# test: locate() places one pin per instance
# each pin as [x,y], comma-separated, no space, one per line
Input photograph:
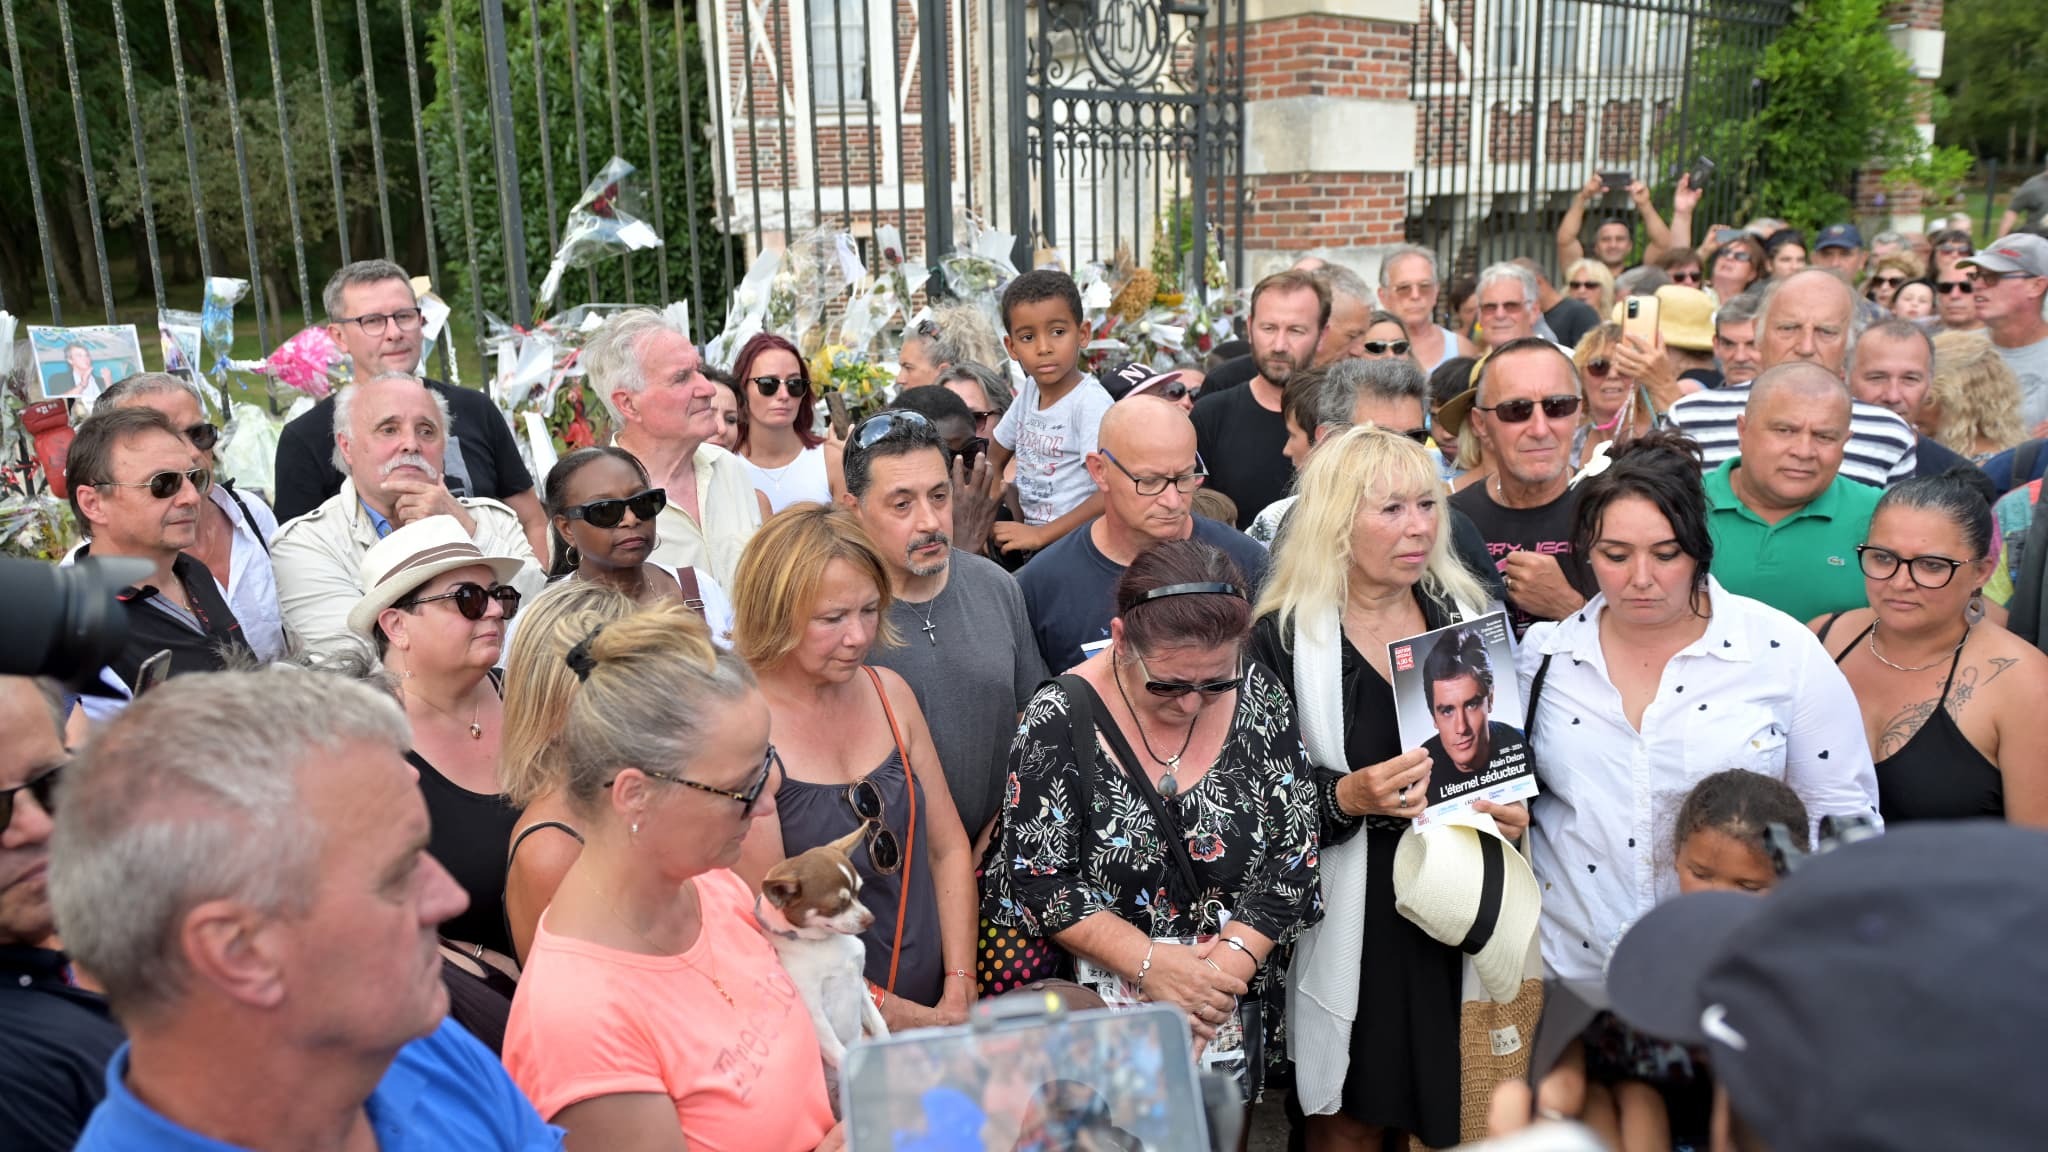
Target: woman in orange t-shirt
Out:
[652,1012]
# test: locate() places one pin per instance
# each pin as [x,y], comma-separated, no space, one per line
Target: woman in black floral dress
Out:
[1079,855]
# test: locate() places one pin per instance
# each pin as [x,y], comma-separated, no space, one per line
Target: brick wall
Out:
[1303,211]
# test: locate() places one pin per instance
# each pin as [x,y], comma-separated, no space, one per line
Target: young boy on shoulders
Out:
[1050,428]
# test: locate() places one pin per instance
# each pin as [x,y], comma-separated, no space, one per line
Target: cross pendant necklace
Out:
[931,630]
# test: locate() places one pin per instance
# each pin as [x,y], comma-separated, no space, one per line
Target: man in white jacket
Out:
[390,440]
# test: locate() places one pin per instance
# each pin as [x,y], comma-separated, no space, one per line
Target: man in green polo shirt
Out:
[1785,523]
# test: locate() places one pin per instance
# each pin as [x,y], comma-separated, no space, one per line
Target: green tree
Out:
[1995,102]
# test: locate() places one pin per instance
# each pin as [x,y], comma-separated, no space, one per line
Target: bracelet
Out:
[1238,943]
[1144,968]
[963,973]
[877,994]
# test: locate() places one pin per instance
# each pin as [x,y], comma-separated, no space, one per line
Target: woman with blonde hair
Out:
[1608,391]
[538,690]
[653,1013]
[1374,1002]
[811,599]
[1973,405]
[1591,282]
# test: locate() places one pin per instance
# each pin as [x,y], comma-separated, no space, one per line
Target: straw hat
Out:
[1685,318]
[399,563]
[1473,891]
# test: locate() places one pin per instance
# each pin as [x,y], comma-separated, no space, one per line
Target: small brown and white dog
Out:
[810,908]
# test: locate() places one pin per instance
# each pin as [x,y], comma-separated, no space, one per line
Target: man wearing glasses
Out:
[2012,282]
[137,488]
[1147,469]
[55,1037]
[373,314]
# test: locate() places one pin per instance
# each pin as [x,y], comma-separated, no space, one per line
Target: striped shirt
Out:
[1880,451]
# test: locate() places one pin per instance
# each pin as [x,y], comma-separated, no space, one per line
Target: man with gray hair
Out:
[1410,283]
[374,315]
[1891,366]
[646,373]
[391,445]
[241,863]
[1508,309]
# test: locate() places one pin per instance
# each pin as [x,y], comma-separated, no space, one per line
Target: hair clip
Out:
[579,658]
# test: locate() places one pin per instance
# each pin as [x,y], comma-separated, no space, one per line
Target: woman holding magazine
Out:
[1158,825]
[1374,1003]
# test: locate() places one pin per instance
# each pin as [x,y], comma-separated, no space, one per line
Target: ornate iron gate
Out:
[1522,100]
[1131,129]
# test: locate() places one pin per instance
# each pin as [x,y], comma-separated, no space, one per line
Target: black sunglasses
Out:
[42,787]
[645,506]
[1585,285]
[1599,367]
[768,386]
[1888,281]
[203,436]
[1519,411]
[1951,287]
[884,852]
[872,430]
[1688,277]
[472,599]
[747,796]
[165,485]
[1175,689]
[1386,347]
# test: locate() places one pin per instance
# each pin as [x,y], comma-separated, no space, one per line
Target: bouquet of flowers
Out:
[980,265]
[603,223]
[310,362]
[851,372]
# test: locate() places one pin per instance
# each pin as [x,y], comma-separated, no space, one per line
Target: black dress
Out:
[1403,1072]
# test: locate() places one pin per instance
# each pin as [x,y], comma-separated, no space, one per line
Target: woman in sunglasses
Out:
[1589,282]
[436,613]
[1950,700]
[786,458]
[1890,274]
[1608,389]
[602,528]
[1734,266]
[1368,561]
[653,1013]
[1159,827]
[1386,338]
[812,598]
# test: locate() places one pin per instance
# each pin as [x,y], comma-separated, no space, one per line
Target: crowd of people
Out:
[448,819]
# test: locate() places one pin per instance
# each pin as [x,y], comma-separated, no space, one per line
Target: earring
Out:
[633,829]
[1973,613]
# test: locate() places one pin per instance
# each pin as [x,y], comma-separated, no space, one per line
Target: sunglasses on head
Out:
[874,429]
[645,506]
[164,485]
[1520,411]
[43,787]
[471,599]
[203,436]
[768,386]
[884,852]
[1175,689]
[1386,347]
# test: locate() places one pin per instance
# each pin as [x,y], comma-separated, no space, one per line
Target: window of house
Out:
[839,51]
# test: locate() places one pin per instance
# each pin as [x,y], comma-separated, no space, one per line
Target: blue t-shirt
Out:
[2002,468]
[1070,588]
[444,1090]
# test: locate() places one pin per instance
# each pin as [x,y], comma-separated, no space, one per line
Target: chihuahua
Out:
[810,908]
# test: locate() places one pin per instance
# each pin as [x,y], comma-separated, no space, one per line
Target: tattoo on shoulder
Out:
[1998,666]
[1903,727]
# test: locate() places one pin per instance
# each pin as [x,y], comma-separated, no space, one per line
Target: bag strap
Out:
[1176,840]
[2023,460]
[909,829]
[1535,694]
[693,597]
[228,486]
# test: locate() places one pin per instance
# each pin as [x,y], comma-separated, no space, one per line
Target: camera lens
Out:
[69,623]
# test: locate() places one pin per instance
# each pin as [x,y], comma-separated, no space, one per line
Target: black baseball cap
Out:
[1890,994]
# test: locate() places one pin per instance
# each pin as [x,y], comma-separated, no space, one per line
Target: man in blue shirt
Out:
[241,861]
[1147,469]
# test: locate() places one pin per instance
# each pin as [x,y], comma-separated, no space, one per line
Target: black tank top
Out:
[470,830]
[1938,774]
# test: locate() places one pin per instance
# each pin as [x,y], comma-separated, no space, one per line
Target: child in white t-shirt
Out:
[1050,427]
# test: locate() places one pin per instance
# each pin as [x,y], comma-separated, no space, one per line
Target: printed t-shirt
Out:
[1050,444]
[1545,529]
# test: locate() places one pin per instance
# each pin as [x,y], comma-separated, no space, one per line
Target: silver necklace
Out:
[1169,783]
[931,630]
[1935,663]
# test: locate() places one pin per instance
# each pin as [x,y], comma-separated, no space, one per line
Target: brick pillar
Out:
[1329,130]
[1916,33]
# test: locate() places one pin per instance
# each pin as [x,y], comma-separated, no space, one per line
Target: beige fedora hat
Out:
[399,563]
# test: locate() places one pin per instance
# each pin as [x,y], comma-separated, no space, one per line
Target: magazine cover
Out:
[1456,696]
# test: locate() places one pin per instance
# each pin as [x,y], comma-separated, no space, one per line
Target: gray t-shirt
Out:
[973,673]
[2030,364]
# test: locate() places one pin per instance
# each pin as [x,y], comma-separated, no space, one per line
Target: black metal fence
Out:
[161,142]
[1522,100]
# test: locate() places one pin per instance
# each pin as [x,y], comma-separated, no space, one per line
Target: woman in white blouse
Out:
[1661,680]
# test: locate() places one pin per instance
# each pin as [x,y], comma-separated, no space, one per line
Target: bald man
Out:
[1808,317]
[1784,521]
[1147,470]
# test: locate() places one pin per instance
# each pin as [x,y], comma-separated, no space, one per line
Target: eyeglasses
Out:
[164,485]
[1888,281]
[1508,306]
[1184,483]
[876,428]
[1951,287]
[1584,285]
[768,386]
[1598,369]
[1690,276]
[407,319]
[472,599]
[1419,288]
[1929,572]
[1519,411]
[203,436]
[1175,689]
[1739,255]
[1954,249]
[43,787]
[645,506]
[747,796]
[1990,279]
[884,852]
[1386,347]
